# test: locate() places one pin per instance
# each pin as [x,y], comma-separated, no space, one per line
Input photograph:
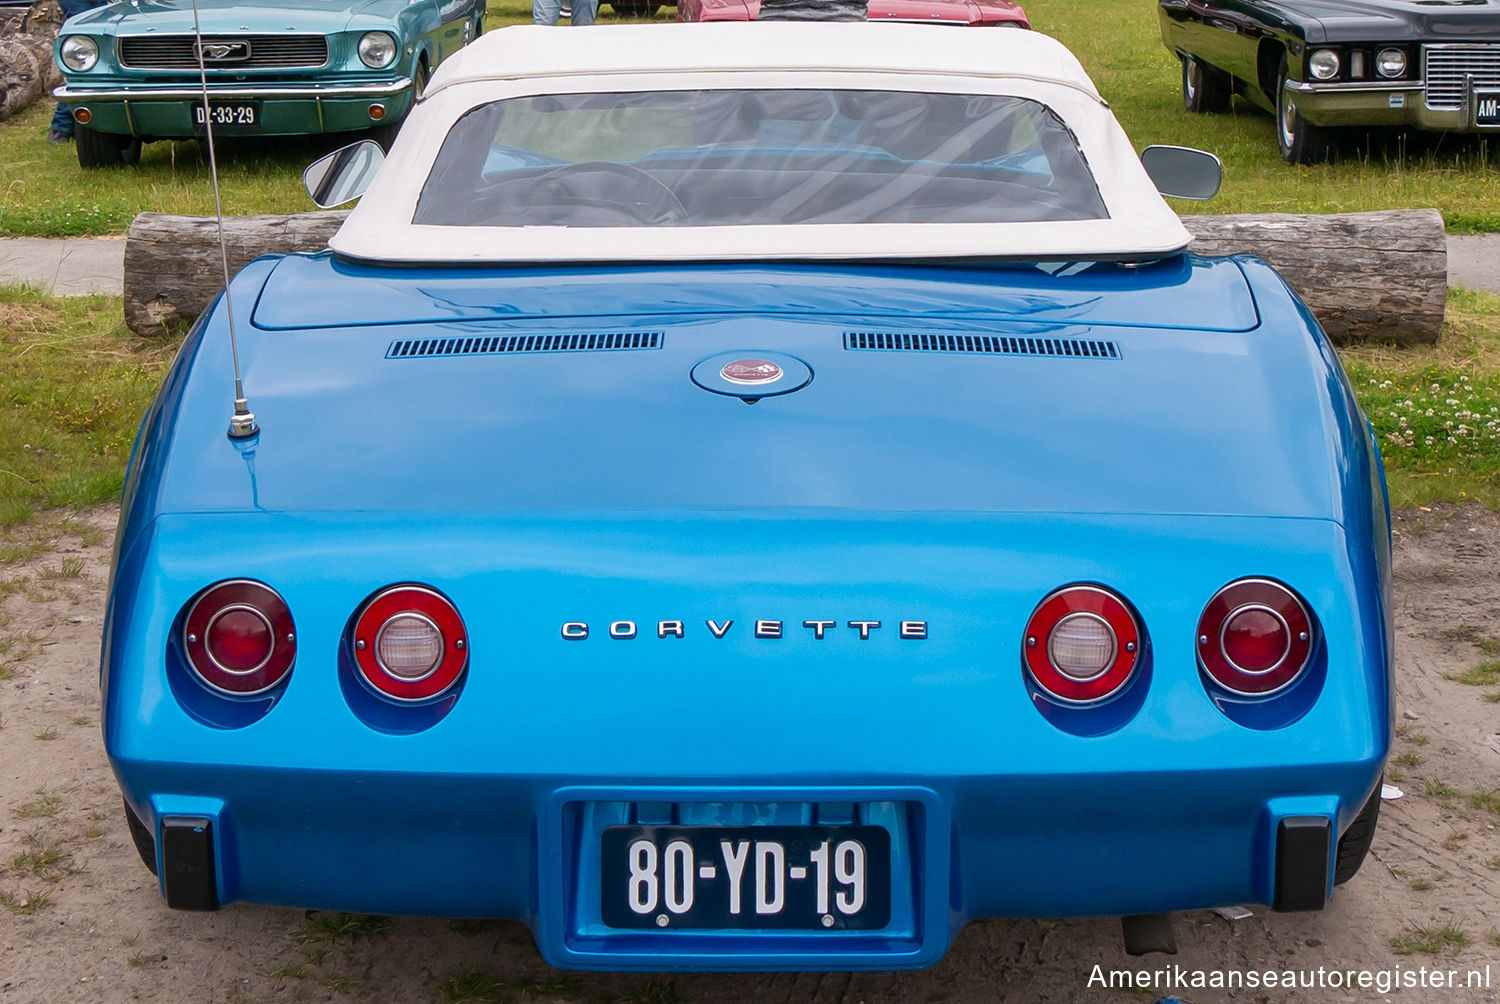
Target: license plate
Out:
[1487,107]
[811,877]
[239,116]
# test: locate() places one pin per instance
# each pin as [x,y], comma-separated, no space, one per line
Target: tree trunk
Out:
[27,72]
[1366,276]
[1379,276]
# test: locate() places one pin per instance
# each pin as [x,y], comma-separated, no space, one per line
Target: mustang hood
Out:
[217,16]
[1158,389]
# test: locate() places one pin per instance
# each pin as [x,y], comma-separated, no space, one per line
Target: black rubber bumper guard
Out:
[187,854]
[1303,850]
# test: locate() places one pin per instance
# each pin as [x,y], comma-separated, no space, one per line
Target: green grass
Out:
[43,192]
[1429,940]
[1141,80]
[326,927]
[1488,800]
[29,902]
[43,806]
[1436,409]
[73,386]
[41,859]
[1486,674]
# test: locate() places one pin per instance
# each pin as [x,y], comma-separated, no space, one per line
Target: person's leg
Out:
[545,11]
[584,11]
[61,129]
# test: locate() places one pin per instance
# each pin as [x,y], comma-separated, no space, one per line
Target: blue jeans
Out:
[546,11]
[62,119]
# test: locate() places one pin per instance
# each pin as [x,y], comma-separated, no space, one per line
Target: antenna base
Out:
[242,422]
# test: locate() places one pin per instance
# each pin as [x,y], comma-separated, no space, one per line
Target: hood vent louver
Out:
[990,345]
[493,345]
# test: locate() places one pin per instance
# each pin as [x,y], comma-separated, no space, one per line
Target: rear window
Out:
[755,157]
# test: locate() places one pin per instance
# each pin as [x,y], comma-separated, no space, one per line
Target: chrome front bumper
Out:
[181,92]
[1374,103]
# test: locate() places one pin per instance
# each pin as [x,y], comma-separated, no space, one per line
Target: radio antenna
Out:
[242,422]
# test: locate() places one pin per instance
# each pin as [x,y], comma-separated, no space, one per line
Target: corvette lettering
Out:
[767,629]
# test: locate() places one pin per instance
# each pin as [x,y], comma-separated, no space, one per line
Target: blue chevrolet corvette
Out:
[756,496]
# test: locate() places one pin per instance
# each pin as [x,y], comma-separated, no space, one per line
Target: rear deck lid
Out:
[1179,292]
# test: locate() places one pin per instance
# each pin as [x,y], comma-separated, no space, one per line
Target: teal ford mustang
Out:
[273,68]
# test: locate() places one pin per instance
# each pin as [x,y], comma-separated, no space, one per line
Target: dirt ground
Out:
[81,919]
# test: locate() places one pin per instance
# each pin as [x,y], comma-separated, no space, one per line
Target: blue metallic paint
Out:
[959,490]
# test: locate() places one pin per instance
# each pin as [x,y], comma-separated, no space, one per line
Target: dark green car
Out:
[274,67]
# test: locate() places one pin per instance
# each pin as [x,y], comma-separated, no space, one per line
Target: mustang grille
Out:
[491,345]
[246,52]
[994,345]
[1446,66]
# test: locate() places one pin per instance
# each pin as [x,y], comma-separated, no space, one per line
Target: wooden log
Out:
[172,265]
[1366,276]
[1380,276]
[27,72]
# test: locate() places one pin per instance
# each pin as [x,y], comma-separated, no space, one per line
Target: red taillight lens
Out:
[410,643]
[1082,645]
[239,637]
[1255,637]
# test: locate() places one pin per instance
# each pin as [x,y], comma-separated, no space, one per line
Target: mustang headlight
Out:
[377,50]
[79,53]
[1391,63]
[1324,64]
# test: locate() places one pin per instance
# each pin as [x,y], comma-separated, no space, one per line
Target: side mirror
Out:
[344,174]
[1183,173]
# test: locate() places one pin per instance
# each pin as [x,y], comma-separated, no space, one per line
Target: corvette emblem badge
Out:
[751,372]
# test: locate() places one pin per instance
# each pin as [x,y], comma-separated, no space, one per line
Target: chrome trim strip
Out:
[1224,629]
[270,629]
[442,647]
[379,90]
[1114,646]
[1304,87]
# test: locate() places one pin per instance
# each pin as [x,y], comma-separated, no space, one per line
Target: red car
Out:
[974,13]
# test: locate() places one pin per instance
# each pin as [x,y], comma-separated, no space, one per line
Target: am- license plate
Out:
[238,116]
[813,877]
[1487,108]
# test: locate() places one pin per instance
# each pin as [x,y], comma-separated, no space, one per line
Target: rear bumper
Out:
[962,849]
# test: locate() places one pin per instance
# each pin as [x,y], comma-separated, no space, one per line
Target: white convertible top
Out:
[535,60]
[730,46]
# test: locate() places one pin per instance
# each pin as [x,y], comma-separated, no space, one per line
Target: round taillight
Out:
[239,637]
[410,643]
[1255,637]
[1082,645]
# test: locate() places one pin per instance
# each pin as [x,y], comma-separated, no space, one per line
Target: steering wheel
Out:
[603,184]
